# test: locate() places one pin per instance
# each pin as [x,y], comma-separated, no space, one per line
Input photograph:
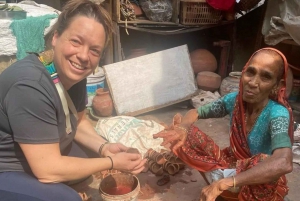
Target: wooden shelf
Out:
[180,29]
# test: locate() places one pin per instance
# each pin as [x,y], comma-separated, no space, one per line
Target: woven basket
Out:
[198,12]
[245,5]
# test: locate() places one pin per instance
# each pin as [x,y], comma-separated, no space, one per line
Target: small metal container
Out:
[16,15]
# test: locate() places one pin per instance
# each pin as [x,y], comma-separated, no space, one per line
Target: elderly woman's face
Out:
[259,78]
[77,51]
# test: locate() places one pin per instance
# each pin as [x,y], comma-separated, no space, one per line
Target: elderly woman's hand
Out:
[175,137]
[128,162]
[211,192]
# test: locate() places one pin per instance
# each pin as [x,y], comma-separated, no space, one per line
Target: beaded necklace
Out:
[63,94]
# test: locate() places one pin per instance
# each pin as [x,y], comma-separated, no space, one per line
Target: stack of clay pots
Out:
[204,65]
[159,163]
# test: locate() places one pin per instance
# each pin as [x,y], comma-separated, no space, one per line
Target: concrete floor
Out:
[187,184]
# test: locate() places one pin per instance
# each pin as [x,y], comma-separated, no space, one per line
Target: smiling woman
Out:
[77,51]
[44,135]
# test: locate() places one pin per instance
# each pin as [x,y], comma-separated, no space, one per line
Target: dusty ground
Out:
[186,185]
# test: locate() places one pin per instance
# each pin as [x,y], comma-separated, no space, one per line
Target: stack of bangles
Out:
[100,153]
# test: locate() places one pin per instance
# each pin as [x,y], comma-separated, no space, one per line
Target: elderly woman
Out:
[261,133]
[43,143]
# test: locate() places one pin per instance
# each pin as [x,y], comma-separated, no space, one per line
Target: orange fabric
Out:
[229,196]
[201,153]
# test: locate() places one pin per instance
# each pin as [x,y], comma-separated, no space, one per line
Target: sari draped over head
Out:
[201,153]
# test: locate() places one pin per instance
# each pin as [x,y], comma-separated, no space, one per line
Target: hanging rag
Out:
[6,7]
[29,34]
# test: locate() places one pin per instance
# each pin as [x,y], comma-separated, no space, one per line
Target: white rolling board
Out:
[151,82]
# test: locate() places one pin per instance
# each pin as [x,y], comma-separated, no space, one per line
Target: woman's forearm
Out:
[48,165]
[72,168]
[189,118]
[269,170]
[86,134]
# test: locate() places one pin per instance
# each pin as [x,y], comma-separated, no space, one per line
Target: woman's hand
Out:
[176,137]
[111,149]
[211,192]
[125,162]
[128,162]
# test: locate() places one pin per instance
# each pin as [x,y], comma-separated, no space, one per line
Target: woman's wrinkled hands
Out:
[211,192]
[176,137]
[129,162]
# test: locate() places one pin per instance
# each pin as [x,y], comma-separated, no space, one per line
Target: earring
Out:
[274,91]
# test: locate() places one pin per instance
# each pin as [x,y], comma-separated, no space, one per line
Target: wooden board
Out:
[151,81]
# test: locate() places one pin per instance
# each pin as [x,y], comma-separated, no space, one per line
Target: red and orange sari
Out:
[201,153]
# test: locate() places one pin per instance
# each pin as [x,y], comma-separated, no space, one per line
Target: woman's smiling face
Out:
[260,78]
[77,51]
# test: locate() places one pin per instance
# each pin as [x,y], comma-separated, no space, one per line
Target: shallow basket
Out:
[197,12]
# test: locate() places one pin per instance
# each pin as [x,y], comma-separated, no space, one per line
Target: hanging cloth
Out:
[221,4]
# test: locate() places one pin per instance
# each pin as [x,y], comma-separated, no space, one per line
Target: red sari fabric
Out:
[201,153]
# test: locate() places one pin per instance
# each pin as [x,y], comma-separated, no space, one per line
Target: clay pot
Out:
[203,60]
[208,81]
[102,103]
[137,53]
[230,83]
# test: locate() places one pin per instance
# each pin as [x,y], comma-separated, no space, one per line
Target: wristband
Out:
[112,163]
[101,147]
[233,181]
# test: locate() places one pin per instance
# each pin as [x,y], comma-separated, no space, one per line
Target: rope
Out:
[128,12]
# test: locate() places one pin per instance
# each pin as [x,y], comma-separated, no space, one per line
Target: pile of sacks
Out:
[158,163]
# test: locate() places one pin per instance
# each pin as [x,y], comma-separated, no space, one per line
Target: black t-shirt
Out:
[31,111]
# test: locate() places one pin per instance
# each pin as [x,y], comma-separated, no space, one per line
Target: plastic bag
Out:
[204,97]
[157,10]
